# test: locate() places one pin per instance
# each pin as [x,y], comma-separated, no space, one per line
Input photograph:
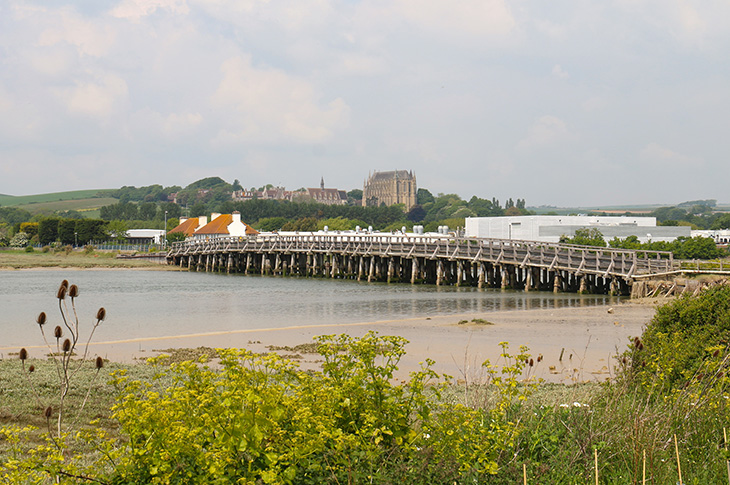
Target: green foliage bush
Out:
[260,419]
[686,337]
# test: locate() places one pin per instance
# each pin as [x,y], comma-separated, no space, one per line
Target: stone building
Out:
[389,188]
[327,196]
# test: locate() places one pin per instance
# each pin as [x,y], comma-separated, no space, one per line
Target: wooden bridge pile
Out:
[494,263]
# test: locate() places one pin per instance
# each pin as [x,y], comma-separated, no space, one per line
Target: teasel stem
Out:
[99,362]
[50,351]
[23,357]
[100,316]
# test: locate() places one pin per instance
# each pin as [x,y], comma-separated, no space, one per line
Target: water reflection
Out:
[152,303]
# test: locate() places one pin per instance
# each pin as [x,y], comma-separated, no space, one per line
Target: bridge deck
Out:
[579,260]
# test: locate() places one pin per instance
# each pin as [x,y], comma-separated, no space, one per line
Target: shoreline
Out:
[587,337]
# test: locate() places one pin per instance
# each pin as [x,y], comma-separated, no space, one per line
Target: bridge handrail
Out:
[584,258]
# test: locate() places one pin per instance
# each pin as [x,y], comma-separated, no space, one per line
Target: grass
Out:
[560,425]
[13,200]
[19,259]
[85,206]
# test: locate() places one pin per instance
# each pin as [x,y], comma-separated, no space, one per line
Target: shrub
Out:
[29,249]
[20,240]
[686,337]
[260,419]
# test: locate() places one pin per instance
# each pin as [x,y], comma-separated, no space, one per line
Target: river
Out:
[148,304]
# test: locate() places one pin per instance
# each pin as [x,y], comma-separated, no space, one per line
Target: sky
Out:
[566,103]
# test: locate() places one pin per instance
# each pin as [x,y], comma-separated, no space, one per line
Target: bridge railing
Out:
[579,259]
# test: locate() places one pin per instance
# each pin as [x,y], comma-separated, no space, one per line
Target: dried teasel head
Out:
[532,362]
[99,362]
[61,295]
[716,353]
[31,368]
[66,345]
[58,332]
[539,358]
[41,320]
[48,413]
[101,314]
[23,354]
[73,291]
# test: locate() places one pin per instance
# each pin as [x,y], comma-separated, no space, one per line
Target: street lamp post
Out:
[76,239]
[164,240]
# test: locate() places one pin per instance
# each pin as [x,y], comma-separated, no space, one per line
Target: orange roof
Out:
[220,224]
[188,227]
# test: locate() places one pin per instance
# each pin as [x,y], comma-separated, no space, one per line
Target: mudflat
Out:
[576,344]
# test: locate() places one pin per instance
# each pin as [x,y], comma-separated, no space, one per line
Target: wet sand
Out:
[587,337]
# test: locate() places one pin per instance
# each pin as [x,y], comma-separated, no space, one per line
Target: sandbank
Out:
[588,338]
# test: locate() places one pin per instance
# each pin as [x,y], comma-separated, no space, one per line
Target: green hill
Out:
[78,200]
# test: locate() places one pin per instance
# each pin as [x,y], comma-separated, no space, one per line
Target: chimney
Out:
[214,216]
[202,220]
[183,219]
[236,217]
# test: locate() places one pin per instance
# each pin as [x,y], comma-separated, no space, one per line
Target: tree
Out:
[416,214]
[423,196]
[66,231]
[173,210]
[91,230]
[354,196]
[199,209]
[147,211]
[117,230]
[585,237]
[47,230]
[236,185]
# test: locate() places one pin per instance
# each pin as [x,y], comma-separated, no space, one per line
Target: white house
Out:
[224,225]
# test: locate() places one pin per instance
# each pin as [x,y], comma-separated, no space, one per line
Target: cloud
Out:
[136,9]
[471,17]
[89,37]
[149,124]
[98,98]
[656,154]
[559,73]
[266,105]
[545,131]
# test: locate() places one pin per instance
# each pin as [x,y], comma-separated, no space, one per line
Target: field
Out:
[10,259]
[86,201]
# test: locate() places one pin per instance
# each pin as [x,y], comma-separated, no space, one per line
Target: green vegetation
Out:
[260,419]
[682,248]
[65,257]
[12,200]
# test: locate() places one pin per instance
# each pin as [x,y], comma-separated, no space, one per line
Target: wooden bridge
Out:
[439,260]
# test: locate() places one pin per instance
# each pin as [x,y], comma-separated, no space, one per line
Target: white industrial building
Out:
[144,236]
[550,228]
[720,236]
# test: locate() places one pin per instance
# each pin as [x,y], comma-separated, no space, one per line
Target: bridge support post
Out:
[414,270]
[360,267]
[582,286]
[528,279]
[480,275]
[371,272]
[439,272]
